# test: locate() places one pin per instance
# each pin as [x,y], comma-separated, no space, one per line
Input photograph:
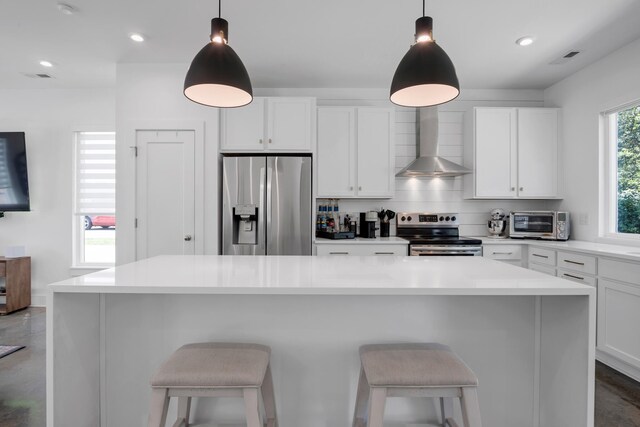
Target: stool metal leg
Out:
[446,409]
[470,407]
[158,407]
[252,407]
[376,406]
[362,399]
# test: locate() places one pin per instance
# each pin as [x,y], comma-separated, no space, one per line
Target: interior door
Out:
[165,193]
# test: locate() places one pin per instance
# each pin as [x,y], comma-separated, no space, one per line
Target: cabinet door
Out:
[495,152]
[336,152]
[242,129]
[618,320]
[376,171]
[538,152]
[289,124]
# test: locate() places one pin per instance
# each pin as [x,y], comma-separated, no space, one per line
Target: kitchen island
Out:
[530,338]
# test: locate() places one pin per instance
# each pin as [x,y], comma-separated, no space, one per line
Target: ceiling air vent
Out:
[37,76]
[43,76]
[565,58]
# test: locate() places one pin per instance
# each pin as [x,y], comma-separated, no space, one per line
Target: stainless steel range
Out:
[435,234]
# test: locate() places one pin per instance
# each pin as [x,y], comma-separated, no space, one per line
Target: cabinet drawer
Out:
[577,262]
[542,256]
[502,252]
[577,277]
[619,270]
[361,250]
[551,271]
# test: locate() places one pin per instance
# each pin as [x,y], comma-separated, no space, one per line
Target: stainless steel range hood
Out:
[428,163]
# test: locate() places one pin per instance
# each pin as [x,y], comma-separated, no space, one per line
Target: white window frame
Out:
[79,266]
[609,198]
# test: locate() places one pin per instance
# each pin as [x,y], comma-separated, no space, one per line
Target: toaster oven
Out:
[547,225]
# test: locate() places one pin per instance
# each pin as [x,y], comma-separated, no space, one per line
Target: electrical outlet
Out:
[583,218]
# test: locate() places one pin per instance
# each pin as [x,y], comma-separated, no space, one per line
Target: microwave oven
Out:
[548,225]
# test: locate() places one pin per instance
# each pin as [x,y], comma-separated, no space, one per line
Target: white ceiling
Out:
[304,43]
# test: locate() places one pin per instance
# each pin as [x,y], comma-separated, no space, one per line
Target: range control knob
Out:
[447,218]
[441,218]
[403,218]
[409,218]
[453,218]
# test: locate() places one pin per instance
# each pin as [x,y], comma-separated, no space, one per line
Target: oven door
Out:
[445,250]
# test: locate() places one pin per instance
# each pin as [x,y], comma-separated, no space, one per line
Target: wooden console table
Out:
[17,283]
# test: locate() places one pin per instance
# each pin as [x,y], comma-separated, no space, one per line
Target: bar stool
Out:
[414,370]
[214,370]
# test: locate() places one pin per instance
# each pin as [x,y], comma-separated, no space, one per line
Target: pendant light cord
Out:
[220,7]
[423,10]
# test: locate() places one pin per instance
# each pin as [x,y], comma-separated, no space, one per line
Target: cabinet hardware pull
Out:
[503,253]
[260,141]
[513,188]
[573,262]
[338,253]
[521,188]
[351,188]
[385,253]
[270,141]
[360,188]
[571,275]
[540,256]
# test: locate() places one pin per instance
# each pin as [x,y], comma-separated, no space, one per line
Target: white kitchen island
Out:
[530,338]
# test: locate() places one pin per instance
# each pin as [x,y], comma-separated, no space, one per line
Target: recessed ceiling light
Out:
[525,41]
[46,64]
[136,37]
[66,9]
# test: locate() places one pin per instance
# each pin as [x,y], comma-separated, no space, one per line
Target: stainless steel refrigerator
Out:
[266,205]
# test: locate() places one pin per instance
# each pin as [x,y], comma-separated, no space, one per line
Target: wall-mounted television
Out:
[14,181]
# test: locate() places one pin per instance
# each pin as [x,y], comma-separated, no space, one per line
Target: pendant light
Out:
[217,77]
[425,76]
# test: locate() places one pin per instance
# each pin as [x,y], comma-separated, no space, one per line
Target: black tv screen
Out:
[14,182]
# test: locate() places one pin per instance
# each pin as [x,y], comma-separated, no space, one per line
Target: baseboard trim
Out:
[619,365]
[38,300]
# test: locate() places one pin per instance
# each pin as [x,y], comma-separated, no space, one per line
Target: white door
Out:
[495,152]
[336,152]
[289,124]
[242,128]
[537,152]
[376,160]
[165,193]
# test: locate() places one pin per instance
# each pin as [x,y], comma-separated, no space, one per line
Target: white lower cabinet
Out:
[543,256]
[543,269]
[577,277]
[361,249]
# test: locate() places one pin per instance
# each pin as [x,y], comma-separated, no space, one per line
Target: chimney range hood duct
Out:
[428,163]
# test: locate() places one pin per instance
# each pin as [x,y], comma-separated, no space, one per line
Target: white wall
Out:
[49,118]
[149,96]
[603,85]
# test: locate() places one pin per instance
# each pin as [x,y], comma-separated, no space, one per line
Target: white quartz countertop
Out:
[600,249]
[363,241]
[320,275]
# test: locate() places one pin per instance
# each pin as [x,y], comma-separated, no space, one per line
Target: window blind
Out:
[95,173]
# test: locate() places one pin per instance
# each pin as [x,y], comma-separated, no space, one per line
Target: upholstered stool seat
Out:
[425,369]
[214,370]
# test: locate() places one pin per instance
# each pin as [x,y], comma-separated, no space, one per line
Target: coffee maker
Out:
[497,224]
[368,224]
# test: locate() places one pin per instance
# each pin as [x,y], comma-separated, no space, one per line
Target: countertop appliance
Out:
[435,234]
[368,224]
[497,224]
[266,205]
[547,225]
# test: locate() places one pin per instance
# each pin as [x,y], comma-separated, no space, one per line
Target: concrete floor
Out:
[22,379]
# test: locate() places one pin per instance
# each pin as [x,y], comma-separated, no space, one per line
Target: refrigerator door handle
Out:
[262,230]
[269,206]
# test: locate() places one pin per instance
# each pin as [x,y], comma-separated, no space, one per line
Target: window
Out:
[622,215]
[94,213]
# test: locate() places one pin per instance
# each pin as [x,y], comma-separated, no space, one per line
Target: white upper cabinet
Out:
[356,152]
[514,154]
[269,124]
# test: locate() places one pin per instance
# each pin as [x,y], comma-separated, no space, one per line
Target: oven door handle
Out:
[446,248]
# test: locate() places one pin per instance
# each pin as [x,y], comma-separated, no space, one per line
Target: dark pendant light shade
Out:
[217,77]
[425,76]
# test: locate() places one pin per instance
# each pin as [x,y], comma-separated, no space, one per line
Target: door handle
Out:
[187,238]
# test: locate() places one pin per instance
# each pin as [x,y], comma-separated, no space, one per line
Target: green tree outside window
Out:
[629,171]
